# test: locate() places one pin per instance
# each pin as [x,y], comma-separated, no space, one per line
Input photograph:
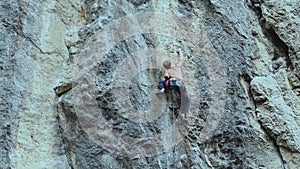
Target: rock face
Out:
[79,84]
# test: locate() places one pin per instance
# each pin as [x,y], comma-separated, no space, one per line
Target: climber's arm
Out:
[161,86]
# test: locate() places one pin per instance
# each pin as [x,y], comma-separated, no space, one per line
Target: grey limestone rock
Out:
[79,84]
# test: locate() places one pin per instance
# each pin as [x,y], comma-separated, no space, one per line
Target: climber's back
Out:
[173,71]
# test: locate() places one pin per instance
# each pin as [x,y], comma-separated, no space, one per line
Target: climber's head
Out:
[167,64]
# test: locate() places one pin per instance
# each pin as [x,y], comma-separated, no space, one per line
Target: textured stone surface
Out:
[275,116]
[34,58]
[78,82]
[276,14]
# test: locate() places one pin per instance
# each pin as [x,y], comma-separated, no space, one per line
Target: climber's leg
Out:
[185,105]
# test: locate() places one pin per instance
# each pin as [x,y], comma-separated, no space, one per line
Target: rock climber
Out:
[173,79]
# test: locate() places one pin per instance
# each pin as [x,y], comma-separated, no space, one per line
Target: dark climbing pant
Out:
[185,101]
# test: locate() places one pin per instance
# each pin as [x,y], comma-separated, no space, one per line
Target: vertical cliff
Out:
[79,81]
[34,58]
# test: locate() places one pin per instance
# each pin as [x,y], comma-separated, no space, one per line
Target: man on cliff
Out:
[173,80]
